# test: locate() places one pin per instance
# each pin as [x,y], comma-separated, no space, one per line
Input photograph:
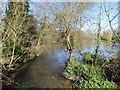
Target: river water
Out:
[46,70]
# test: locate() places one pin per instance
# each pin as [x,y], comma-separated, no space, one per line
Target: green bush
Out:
[112,69]
[90,76]
[90,58]
[19,53]
[107,36]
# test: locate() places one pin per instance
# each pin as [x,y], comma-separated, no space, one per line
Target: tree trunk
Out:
[98,34]
[70,48]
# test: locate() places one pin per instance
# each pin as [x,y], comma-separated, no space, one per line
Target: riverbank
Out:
[94,73]
[50,64]
[9,75]
[44,72]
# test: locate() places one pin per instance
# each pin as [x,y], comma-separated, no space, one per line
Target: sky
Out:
[93,13]
[104,22]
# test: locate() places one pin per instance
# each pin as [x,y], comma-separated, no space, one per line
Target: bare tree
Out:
[68,17]
[110,21]
[99,31]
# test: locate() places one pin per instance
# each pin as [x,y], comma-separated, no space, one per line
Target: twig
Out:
[19,57]
[12,58]
[111,24]
[114,16]
[11,80]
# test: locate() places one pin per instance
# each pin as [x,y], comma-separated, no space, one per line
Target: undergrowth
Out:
[90,76]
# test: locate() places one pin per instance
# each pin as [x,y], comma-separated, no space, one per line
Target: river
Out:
[46,70]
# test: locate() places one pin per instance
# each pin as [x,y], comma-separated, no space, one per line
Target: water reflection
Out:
[46,70]
[105,48]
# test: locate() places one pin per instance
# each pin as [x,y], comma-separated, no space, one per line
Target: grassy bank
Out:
[91,74]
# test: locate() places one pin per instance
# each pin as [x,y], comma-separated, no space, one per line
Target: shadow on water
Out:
[46,70]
